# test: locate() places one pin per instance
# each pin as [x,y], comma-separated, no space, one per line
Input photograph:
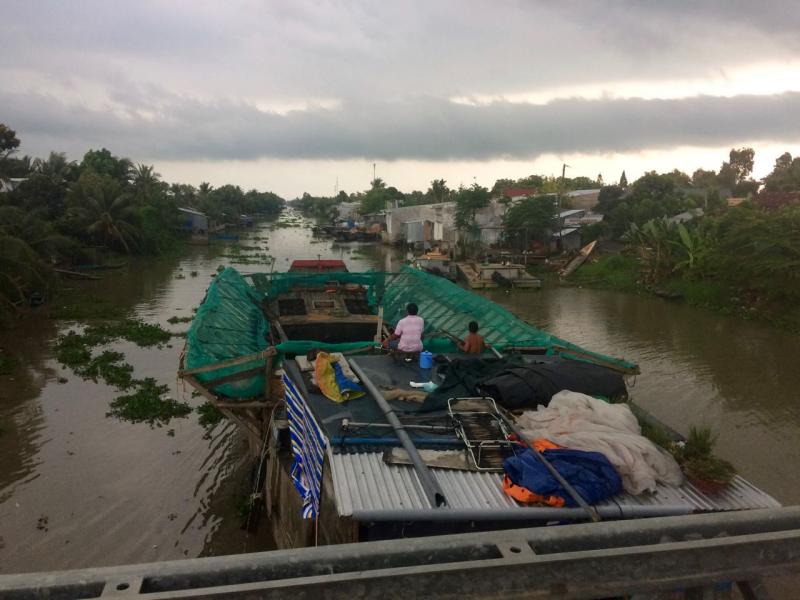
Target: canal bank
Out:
[71,470]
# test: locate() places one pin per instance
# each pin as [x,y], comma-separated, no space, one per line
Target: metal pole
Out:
[530,513]
[430,486]
[591,511]
[347,424]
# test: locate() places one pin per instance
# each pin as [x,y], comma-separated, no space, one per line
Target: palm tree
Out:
[20,270]
[56,167]
[32,228]
[439,190]
[106,210]
[145,179]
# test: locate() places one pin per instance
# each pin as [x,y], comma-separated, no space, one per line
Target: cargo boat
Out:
[493,275]
[333,472]
[436,262]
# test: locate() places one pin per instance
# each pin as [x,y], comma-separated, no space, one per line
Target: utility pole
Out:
[373,171]
[563,182]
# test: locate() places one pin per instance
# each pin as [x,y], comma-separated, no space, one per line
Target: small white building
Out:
[348,211]
[193,220]
[422,223]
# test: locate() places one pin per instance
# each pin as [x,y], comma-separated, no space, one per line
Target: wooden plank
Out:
[270,351]
[233,377]
[380,325]
[267,373]
[234,405]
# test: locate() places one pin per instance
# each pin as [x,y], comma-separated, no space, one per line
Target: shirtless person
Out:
[474,343]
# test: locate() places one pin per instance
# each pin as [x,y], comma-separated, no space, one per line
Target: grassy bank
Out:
[622,273]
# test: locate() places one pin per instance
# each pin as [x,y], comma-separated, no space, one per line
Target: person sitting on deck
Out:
[407,335]
[474,344]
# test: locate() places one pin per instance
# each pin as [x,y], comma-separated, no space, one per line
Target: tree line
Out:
[70,213]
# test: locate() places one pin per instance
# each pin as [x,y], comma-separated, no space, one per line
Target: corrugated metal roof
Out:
[362,481]
[565,232]
[575,193]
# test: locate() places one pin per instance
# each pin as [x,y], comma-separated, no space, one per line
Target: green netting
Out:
[305,346]
[448,308]
[228,324]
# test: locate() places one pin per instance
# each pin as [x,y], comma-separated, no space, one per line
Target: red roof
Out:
[513,192]
[318,265]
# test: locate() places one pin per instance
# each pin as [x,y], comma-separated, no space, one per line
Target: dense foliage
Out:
[66,213]
[531,219]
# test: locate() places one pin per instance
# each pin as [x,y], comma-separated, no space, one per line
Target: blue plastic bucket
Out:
[425,360]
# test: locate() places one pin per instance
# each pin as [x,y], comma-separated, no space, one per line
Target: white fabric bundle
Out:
[581,422]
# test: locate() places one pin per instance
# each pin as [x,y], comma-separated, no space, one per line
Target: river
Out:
[80,489]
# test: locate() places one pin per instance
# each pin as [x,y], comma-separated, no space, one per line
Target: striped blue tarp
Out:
[308,447]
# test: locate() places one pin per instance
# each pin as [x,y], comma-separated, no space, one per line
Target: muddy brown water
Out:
[80,489]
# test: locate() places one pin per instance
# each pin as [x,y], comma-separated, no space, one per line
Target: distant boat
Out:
[576,262]
[318,266]
[492,275]
[435,262]
[76,274]
[102,267]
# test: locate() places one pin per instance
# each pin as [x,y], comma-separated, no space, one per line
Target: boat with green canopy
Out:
[347,447]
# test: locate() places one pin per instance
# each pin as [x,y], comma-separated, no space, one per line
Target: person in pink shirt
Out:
[407,336]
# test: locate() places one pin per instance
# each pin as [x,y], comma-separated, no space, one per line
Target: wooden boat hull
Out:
[576,262]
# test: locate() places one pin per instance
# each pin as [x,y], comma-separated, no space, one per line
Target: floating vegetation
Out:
[72,350]
[251,259]
[210,415]
[109,367]
[247,255]
[136,331]
[193,274]
[180,276]
[177,319]
[145,403]
[285,223]
[8,364]
[148,405]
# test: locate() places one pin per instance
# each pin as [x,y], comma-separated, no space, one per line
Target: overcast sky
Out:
[290,96]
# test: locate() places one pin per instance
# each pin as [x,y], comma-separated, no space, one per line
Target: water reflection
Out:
[21,418]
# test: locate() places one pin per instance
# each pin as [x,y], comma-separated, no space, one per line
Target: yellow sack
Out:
[332,382]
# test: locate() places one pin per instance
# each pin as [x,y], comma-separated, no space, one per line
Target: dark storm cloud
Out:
[288,50]
[422,128]
[174,80]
